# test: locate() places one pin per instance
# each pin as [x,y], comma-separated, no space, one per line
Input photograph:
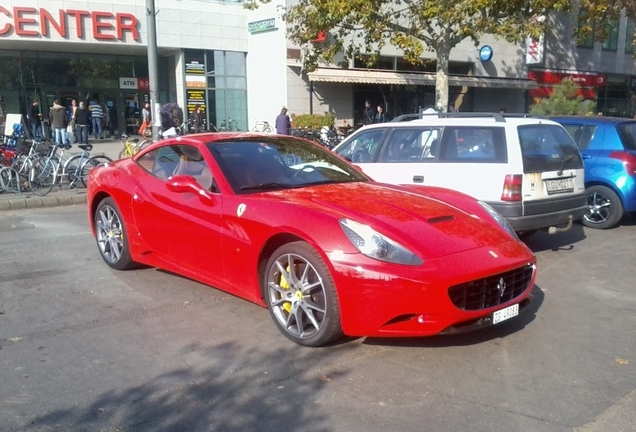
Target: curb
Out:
[34,201]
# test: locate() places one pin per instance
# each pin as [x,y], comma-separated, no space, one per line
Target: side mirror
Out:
[187,184]
[183,184]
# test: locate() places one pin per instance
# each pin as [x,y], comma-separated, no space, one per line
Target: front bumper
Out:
[387,300]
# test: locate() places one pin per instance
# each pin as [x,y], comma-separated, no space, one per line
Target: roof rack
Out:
[526,115]
[407,117]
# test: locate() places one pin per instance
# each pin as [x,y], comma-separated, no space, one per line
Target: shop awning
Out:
[357,76]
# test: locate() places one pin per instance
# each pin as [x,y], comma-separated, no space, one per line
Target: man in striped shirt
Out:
[97,117]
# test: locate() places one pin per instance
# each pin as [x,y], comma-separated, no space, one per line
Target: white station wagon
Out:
[527,168]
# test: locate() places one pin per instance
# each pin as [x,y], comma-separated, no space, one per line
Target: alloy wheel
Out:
[297,295]
[599,208]
[110,235]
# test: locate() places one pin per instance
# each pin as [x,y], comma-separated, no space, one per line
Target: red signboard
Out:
[143,84]
[547,79]
[39,22]
[582,79]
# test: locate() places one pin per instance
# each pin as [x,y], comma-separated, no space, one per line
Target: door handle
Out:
[418,179]
[585,156]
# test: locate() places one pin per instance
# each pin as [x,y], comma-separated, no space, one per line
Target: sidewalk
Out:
[59,197]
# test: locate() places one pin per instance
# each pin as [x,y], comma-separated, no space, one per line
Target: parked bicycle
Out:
[46,171]
[132,145]
[262,127]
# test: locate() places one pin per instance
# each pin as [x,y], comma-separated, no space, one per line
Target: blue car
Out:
[608,148]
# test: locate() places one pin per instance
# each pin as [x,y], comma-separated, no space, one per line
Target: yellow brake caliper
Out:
[285,285]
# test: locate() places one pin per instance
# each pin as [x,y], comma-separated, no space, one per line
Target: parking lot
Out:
[83,347]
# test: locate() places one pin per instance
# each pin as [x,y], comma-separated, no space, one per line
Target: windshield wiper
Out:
[564,162]
[269,186]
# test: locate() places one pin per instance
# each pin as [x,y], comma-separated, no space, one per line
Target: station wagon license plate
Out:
[504,314]
[560,185]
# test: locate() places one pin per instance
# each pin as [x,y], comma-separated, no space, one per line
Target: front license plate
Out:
[504,314]
[560,185]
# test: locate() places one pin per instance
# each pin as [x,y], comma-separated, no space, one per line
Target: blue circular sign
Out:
[485,53]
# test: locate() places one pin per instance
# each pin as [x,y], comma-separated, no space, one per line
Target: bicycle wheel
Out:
[72,168]
[22,165]
[42,176]
[142,145]
[124,153]
[92,162]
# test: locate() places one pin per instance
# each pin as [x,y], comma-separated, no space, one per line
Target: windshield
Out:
[547,147]
[627,132]
[279,163]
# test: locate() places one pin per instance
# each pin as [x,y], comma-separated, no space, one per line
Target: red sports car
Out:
[288,225]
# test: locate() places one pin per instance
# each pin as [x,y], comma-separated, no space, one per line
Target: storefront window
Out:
[9,69]
[222,74]
[56,69]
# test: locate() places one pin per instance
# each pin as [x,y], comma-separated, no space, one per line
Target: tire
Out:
[23,165]
[308,316]
[42,176]
[92,162]
[605,209]
[111,236]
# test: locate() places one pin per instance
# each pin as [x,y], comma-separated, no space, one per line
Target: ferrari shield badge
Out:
[240,209]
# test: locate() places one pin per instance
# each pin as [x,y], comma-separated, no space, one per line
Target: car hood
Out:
[425,225]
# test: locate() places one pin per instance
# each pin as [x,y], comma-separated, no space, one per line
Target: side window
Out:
[363,146]
[586,137]
[581,134]
[172,160]
[410,145]
[161,162]
[474,144]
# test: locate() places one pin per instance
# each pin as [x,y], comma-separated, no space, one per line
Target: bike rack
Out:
[10,180]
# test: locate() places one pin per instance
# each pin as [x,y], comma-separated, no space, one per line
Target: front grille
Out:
[491,291]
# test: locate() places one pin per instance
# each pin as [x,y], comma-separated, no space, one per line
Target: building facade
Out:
[96,51]
[606,70]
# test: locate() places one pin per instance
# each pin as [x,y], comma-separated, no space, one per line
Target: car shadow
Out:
[563,241]
[471,338]
[628,220]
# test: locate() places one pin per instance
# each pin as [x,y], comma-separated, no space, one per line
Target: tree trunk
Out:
[441,79]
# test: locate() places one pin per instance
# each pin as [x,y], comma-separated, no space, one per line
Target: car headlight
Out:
[500,220]
[374,245]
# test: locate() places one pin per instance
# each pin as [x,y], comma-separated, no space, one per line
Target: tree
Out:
[357,27]
[564,100]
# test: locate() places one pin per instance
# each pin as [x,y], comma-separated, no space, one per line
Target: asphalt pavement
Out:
[60,195]
[84,347]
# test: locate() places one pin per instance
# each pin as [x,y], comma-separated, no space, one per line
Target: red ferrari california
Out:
[288,225]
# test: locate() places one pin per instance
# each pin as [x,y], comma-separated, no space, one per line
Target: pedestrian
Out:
[367,113]
[57,117]
[502,111]
[35,120]
[196,120]
[82,122]
[145,114]
[380,117]
[97,118]
[283,123]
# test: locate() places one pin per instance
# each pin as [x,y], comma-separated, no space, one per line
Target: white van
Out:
[526,168]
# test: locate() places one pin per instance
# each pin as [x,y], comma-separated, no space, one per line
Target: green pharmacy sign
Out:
[262,25]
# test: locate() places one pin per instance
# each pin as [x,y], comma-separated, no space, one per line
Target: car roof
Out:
[470,119]
[591,119]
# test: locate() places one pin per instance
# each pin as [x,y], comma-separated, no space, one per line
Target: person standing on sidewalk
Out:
[82,122]
[97,117]
[35,120]
[283,123]
[57,117]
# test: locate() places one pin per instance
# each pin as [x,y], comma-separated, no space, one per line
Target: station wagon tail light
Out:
[512,187]
[628,159]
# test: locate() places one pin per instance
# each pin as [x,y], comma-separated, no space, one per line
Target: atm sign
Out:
[134,83]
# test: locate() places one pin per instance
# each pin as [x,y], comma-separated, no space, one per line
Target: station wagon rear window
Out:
[627,132]
[547,148]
